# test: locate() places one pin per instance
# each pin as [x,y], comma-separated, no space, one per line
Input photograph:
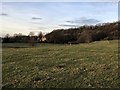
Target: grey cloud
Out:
[36,18]
[84,20]
[4,14]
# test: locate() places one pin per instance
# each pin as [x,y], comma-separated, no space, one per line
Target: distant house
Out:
[43,39]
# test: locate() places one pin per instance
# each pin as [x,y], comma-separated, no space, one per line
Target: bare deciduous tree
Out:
[40,35]
[32,38]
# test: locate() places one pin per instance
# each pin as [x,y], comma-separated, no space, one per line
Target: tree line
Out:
[20,38]
[83,34]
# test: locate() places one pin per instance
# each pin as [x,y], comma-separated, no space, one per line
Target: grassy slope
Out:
[84,65]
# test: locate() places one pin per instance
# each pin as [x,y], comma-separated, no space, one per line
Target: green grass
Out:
[61,66]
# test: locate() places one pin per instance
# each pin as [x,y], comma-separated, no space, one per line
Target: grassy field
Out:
[61,66]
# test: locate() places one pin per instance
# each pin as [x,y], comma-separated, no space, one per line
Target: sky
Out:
[25,17]
[59,0]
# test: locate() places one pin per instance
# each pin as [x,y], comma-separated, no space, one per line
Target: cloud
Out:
[36,18]
[79,22]
[4,14]
[84,20]
[66,25]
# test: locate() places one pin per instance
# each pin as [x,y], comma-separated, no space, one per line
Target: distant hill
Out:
[84,34]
